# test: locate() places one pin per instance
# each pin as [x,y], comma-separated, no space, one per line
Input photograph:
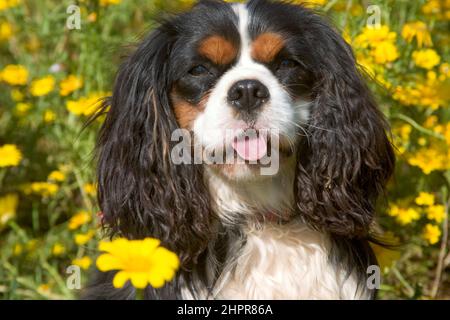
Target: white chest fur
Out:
[285,262]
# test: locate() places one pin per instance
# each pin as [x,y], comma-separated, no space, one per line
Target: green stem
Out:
[347,10]
[59,280]
[443,249]
[330,5]
[2,177]
[87,202]
[403,281]
[417,126]
[139,294]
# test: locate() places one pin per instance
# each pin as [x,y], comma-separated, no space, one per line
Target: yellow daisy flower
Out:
[90,189]
[429,160]
[79,219]
[44,289]
[418,30]
[403,216]
[405,131]
[69,85]
[426,58]
[10,156]
[431,234]
[144,262]
[18,249]
[374,36]
[425,199]
[57,176]
[17,95]
[58,249]
[42,86]
[8,208]
[84,262]
[14,75]
[7,4]
[45,189]
[5,31]
[49,116]
[385,52]
[92,17]
[22,108]
[82,238]
[438,9]
[86,105]
[436,213]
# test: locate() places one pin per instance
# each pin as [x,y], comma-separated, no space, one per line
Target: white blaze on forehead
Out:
[244,19]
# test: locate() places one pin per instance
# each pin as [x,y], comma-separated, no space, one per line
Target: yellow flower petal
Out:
[139,280]
[155,280]
[108,262]
[120,279]
[84,262]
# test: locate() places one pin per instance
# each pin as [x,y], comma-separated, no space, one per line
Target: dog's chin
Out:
[252,172]
[238,172]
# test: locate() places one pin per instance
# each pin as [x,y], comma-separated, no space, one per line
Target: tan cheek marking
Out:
[218,49]
[266,47]
[185,112]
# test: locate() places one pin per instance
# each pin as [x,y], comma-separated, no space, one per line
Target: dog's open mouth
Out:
[250,147]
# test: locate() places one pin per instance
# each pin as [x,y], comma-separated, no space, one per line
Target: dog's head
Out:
[220,68]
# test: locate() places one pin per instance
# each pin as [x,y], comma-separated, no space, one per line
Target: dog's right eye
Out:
[288,64]
[199,71]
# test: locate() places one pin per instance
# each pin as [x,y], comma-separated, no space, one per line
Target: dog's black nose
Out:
[248,95]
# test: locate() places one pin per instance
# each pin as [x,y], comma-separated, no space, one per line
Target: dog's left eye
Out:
[288,64]
[199,70]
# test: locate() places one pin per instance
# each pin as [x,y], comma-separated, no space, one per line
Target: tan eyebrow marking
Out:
[266,47]
[218,49]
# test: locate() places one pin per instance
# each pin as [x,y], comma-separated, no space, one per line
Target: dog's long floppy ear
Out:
[141,192]
[346,163]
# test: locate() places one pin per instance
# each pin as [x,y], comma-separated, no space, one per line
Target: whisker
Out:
[294,85]
[313,126]
[303,105]
[307,135]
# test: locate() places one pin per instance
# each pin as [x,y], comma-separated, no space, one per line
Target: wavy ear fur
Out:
[141,192]
[346,163]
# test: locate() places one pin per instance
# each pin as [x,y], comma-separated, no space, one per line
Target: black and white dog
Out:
[302,233]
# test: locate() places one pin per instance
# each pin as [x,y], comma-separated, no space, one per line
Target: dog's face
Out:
[222,67]
[242,72]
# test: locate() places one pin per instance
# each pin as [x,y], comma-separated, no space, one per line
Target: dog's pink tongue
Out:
[251,149]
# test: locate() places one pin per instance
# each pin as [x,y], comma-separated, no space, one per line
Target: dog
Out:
[301,233]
